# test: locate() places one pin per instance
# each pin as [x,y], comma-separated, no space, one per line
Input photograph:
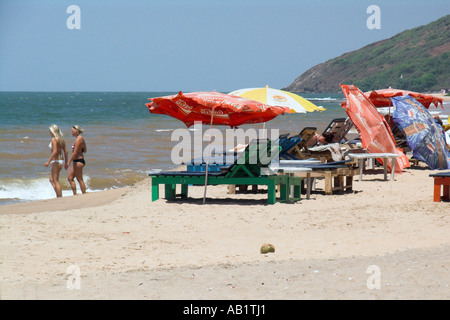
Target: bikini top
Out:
[73,148]
[50,146]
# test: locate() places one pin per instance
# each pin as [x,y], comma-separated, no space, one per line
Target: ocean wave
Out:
[20,190]
[324,99]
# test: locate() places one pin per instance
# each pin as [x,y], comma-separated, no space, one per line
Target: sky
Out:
[188,45]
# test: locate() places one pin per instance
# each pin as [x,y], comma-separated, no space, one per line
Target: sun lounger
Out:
[246,170]
[339,128]
[286,144]
[299,163]
[330,152]
[441,179]
[215,163]
[338,175]
[295,145]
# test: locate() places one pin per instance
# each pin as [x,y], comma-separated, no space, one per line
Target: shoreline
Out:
[79,201]
[128,247]
[32,183]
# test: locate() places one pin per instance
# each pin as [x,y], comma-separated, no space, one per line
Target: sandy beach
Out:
[155,85]
[118,244]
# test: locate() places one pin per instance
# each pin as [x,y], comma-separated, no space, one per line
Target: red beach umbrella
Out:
[214,108]
[376,135]
[382,98]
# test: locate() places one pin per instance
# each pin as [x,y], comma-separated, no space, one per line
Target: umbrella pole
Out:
[207,158]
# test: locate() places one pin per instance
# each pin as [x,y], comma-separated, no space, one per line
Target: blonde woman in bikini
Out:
[57,159]
[77,159]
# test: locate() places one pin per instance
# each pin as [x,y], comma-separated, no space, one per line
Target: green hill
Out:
[416,59]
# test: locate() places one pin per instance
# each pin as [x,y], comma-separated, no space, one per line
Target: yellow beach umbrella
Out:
[276,97]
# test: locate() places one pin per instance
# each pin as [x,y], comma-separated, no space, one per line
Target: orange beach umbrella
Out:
[376,136]
[382,97]
[214,108]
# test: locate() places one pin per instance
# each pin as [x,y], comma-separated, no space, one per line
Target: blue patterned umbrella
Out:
[423,135]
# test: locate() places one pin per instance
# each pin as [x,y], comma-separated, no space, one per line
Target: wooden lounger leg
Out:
[338,183]
[284,194]
[285,190]
[349,183]
[437,192]
[297,191]
[308,185]
[328,183]
[445,183]
[184,190]
[446,196]
[170,191]
[155,191]
[271,192]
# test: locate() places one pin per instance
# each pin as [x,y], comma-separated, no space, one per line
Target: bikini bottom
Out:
[61,162]
[80,161]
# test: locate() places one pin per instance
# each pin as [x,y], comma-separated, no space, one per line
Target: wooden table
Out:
[441,179]
[386,156]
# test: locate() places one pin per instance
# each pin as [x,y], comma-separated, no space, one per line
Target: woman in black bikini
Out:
[77,158]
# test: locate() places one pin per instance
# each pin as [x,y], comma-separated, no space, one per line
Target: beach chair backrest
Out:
[299,142]
[292,142]
[307,134]
[258,154]
[339,128]
[283,141]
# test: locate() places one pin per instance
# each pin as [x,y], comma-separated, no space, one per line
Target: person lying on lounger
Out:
[320,139]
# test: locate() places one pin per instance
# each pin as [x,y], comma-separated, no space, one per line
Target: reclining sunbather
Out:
[320,139]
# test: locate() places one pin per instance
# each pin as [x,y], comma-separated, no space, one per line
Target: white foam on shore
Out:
[163,130]
[323,99]
[20,190]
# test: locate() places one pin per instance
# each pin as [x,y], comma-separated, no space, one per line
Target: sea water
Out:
[125,141]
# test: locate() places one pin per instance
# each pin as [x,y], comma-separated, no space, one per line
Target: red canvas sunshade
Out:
[214,108]
[382,98]
[376,136]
